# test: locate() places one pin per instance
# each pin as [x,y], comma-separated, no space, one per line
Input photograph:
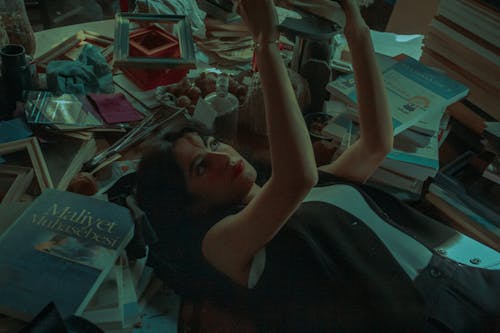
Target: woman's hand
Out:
[354,20]
[260,17]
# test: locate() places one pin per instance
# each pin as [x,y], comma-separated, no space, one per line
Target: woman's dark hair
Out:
[161,192]
[161,188]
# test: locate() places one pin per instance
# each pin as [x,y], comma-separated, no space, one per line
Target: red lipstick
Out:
[238,168]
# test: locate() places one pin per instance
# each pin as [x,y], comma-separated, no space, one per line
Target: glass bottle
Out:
[15,21]
[226,105]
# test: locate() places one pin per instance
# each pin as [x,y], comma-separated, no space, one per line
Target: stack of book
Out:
[226,43]
[463,39]
[418,97]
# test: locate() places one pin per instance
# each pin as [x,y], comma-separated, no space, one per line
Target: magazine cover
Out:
[60,249]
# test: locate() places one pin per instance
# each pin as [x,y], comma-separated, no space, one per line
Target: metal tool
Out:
[147,126]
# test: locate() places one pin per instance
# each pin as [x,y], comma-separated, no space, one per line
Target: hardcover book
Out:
[413,89]
[414,161]
[60,249]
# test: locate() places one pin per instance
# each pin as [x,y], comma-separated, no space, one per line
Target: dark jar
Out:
[16,74]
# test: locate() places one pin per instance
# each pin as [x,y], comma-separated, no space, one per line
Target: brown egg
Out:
[208,86]
[183,101]
[185,83]
[194,93]
[191,108]
[171,88]
[83,183]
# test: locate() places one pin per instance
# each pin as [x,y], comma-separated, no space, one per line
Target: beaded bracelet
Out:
[256,45]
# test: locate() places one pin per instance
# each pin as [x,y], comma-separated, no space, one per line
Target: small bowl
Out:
[315,122]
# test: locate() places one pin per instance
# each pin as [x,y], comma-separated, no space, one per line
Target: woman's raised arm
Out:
[360,160]
[231,243]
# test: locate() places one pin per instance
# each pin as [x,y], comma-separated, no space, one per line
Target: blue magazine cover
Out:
[60,249]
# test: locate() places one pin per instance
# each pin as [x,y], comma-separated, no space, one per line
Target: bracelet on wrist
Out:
[257,45]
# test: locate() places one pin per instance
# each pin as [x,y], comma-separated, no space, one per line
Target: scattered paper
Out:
[392,44]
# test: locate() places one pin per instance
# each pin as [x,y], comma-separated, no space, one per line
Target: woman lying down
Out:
[313,249]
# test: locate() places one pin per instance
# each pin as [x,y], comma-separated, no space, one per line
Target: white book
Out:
[435,124]
[344,88]
[415,161]
[427,125]
[414,91]
[421,163]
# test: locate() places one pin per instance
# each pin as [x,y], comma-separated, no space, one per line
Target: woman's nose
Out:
[218,159]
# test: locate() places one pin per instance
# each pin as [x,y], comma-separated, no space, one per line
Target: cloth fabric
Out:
[327,271]
[90,73]
[115,108]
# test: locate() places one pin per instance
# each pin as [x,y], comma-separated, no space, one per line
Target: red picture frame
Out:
[153,42]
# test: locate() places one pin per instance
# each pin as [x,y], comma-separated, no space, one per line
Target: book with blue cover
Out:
[414,91]
[60,250]
[416,161]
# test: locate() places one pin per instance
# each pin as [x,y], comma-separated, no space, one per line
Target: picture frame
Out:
[22,178]
[69,48]
[179,27]
[32,147]
[153,42]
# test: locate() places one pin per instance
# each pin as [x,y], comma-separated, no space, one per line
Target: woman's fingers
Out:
[259,16]
[236,7]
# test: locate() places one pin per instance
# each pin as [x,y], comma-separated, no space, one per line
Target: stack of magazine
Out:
[418,97]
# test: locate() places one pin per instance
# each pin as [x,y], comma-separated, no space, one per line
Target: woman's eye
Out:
[214,144]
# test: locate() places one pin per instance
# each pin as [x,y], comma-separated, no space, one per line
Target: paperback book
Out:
[414,92]
[60,250]
[414,161]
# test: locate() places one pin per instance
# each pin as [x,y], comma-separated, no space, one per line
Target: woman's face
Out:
[215,173]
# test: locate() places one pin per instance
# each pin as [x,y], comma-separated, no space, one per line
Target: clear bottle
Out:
[15,21]
[226,105]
